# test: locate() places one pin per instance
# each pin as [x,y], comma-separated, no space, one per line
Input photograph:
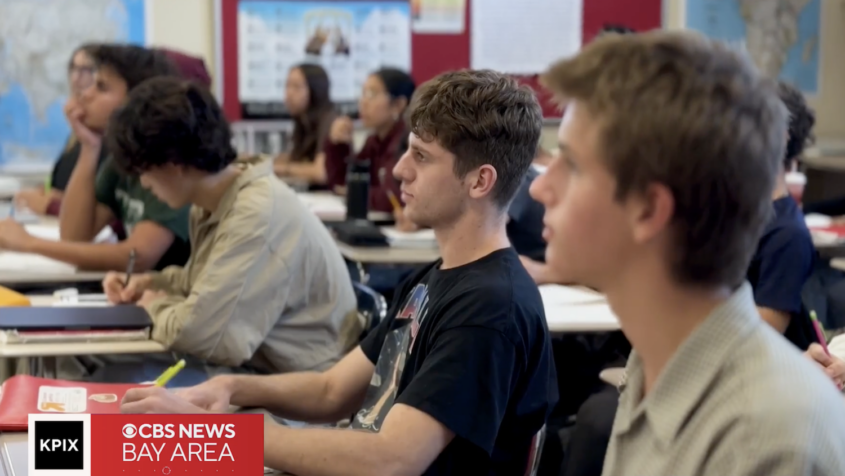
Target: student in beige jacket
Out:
[265,287]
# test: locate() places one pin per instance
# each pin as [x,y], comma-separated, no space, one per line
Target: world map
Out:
[37,38]
[781,36]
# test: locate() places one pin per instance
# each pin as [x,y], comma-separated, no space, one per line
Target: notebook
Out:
[127,317]
[22,394]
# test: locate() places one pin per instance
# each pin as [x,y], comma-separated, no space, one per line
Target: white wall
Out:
[185,25]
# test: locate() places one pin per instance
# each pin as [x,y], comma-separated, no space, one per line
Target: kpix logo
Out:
[59,444]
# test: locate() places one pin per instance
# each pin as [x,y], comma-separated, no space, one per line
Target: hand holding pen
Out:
[126,288]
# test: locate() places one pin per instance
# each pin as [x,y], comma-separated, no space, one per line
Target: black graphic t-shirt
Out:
[470,347]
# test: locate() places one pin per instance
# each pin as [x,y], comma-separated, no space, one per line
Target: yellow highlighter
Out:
[169,374]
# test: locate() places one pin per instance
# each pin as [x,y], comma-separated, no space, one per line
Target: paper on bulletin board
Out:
[438,16]
[350,39]
[523,37]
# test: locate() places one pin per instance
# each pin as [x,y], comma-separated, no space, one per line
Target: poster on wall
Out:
[781,36]
[40,37]
[349,39]
[538,33]
[441,17]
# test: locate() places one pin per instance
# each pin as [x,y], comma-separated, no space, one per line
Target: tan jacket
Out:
[265,282]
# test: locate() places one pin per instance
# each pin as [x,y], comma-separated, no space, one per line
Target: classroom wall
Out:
[188,25]
[830,102]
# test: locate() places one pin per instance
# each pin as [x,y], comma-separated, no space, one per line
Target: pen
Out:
[129,267]
[819,333]
[397,206]
[168,374]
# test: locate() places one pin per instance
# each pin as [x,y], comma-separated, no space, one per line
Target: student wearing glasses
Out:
[47,200]
[384,99]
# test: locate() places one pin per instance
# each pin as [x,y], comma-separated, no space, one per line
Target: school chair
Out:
[372,307]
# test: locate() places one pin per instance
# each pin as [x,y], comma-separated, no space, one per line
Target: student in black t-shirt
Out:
[459,377]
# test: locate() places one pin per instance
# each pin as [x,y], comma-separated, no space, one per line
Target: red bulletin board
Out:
[434,54]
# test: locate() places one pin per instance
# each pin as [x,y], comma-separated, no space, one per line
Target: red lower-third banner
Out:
[177,444]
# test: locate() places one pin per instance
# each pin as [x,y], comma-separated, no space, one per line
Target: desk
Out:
[42,357]
[21,278]
[576,309]
[14,459]
[331,208]
[388,254]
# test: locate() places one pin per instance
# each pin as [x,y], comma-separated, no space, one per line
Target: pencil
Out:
[397,206]
[819,333]
[168,374]
[130,267]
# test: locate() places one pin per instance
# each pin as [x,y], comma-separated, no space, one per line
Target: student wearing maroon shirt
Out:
[384,99]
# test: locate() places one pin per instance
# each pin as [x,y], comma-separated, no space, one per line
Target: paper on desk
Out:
[817,220]
[51,232]
[30,263]
[416,239]
[323,204]
[557,295]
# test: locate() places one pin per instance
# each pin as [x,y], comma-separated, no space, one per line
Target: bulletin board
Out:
[433,54]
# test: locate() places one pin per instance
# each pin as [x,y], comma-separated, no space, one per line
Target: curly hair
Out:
[801,121]
[134,64]
[167,120]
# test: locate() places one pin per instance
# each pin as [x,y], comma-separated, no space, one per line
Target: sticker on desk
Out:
[62,399]
[103,397]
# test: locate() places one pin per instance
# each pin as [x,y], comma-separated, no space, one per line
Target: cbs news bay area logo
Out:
[74,444]
[207,451]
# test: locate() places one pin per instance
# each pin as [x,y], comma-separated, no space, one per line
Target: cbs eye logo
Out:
[129,430]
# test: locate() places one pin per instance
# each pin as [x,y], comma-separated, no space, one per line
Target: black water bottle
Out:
[357,190]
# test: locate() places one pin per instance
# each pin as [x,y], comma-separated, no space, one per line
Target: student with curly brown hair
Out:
[265,287]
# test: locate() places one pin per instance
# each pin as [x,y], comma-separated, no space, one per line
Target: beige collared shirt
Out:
[265,282]
[736,399]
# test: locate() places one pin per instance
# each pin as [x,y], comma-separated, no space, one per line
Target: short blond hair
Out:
[695,115]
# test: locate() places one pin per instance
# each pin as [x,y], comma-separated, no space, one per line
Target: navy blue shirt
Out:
[781,265]
[525,227]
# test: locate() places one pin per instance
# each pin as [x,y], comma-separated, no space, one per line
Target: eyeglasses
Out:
[81,70]
[370,94]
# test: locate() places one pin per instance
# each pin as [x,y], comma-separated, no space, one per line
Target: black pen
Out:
[130,268]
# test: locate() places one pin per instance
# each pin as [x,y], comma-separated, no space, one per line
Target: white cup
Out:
[795,183]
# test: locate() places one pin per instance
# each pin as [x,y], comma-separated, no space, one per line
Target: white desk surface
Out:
[17,277]
[14,454]
[574,309]
[80,348]
[387,254]
[331,208]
